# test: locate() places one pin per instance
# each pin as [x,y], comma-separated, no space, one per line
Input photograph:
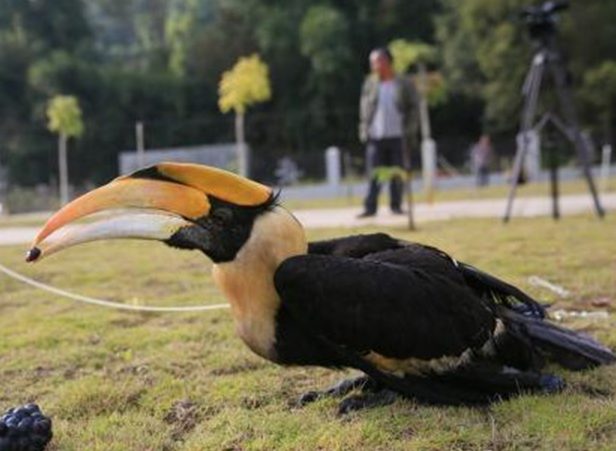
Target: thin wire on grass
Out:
[104,303]
[533,280]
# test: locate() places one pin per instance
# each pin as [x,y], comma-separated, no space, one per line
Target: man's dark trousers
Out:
[384,153]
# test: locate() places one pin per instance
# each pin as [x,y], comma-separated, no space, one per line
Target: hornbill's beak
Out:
[152,203]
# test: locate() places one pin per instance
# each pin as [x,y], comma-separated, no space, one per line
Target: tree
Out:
[246,84]
[64,119]
[600,92]
[323,39]
[486,54]
[407,53]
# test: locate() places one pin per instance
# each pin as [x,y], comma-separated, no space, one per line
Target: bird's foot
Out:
[358,402]
[342,388]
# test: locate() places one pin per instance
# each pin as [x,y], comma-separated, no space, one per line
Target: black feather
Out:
[502,292]
[571,349]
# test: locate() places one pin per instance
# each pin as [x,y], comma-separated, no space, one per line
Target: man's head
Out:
[485,138]
[381,63]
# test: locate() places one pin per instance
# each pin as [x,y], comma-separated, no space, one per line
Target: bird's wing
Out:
[382,247]
[489,288]
[372,306]
[355,246]
[501,292]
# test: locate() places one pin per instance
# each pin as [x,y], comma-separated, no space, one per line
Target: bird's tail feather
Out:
[573,350]
[502,292]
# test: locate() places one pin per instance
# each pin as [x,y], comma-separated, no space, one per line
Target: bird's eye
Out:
[222,214]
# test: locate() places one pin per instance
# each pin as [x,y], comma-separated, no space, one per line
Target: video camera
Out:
[541,19]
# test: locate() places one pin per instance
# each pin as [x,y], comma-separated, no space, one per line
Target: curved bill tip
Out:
[33,254]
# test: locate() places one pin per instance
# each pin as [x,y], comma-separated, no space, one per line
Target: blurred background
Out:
[147,74]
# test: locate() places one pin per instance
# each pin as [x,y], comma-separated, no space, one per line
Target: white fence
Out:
[219,155]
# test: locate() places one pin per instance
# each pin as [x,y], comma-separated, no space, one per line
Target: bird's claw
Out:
[359,402]
[309,397]
[363,383]
[351,404]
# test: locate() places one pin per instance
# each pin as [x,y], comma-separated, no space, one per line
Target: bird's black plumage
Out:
[448,331]
[396,311]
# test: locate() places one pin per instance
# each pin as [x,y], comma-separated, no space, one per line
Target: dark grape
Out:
[24,428]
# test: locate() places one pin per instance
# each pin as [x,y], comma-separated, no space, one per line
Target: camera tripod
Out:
[548,62]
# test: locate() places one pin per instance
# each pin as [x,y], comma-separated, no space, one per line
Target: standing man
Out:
[387,123]
[481,155]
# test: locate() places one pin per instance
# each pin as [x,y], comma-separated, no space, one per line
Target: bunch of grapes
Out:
[24,429]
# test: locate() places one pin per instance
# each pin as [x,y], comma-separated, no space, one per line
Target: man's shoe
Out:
[366,214]
[397,211]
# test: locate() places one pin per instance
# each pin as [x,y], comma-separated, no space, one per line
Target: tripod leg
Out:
[532,86]
[582,152]
[515,176]
[554,184]
[574,133]
[408,183]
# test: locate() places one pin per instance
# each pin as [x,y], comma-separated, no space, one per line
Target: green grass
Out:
[113,380]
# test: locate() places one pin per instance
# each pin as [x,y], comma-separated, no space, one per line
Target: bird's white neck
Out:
[248,280]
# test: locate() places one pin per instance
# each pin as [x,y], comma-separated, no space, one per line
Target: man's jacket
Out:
[406,100]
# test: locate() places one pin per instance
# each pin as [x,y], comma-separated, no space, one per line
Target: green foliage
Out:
[407,54]
[183,22]
[64,116]
[589,34]
[486,54]
[599,95]
[14,57]
[324,38]
[246,84]
[49,25]
[599,92]
[600,83]
[436,86]
[60,71]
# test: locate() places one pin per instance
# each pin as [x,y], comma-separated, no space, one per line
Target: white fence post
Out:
[428,167]
[606,161]
[333,167]
[140,141]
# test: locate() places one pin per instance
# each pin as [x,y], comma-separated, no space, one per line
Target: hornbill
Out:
[412,319]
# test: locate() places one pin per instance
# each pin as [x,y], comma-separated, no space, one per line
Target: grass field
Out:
[124,381]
